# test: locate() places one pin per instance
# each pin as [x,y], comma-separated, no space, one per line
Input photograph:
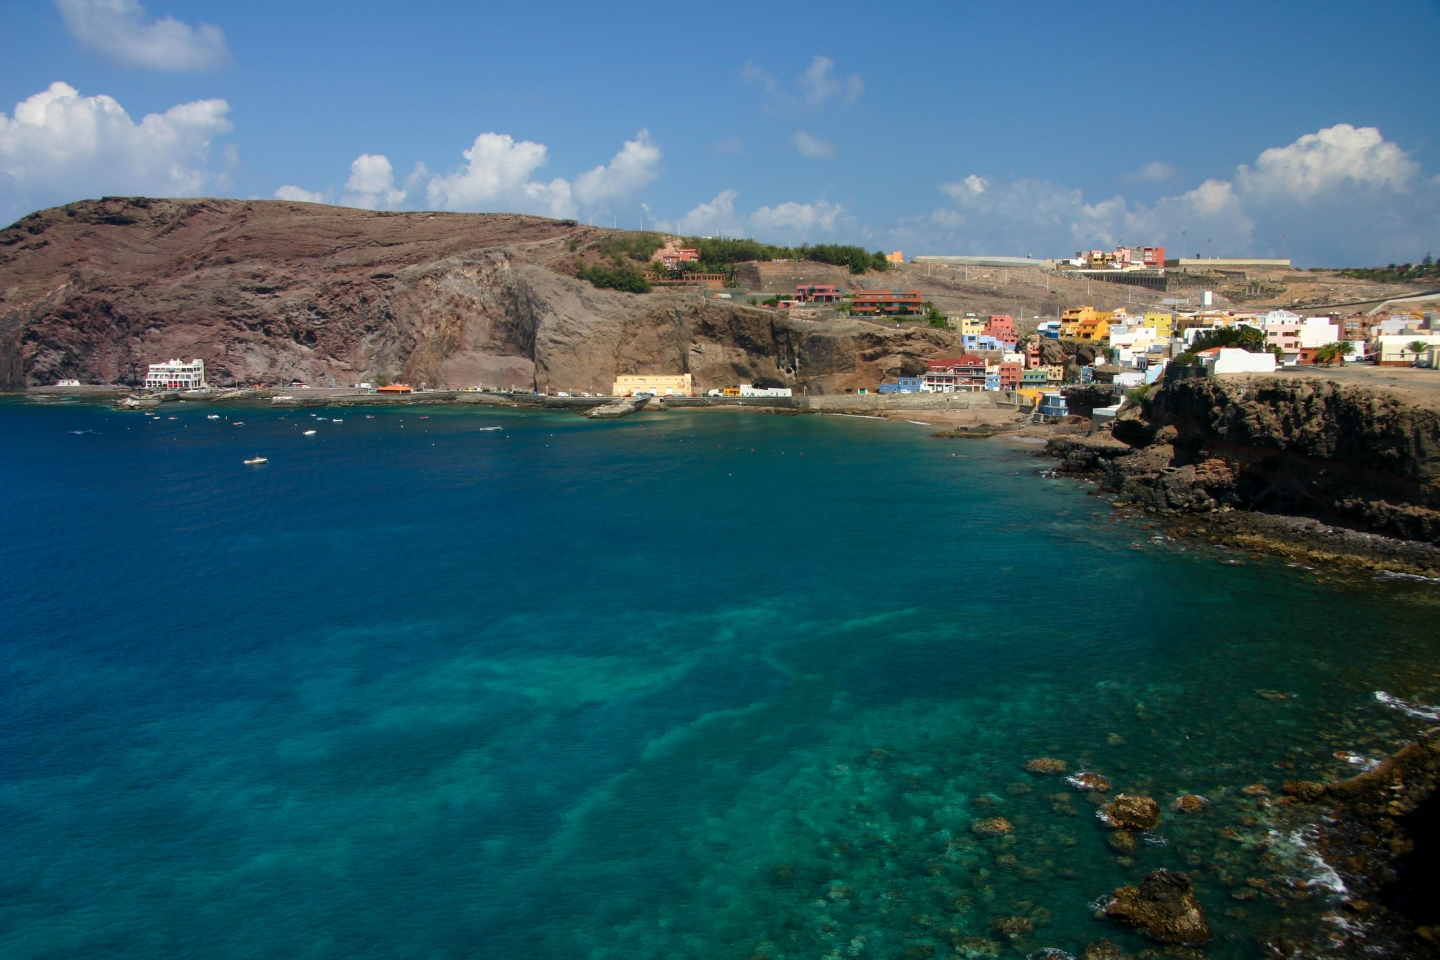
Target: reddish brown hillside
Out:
[266,291]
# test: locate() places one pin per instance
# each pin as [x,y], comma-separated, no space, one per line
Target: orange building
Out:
[1085,323]
[394,388]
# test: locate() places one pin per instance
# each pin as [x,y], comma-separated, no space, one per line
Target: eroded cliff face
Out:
[1344,454]
[268,291]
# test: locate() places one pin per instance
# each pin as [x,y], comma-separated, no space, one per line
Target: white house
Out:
[176,375]
[746,390]
[1235,360]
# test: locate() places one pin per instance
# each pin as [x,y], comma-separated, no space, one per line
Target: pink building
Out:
[1001,326]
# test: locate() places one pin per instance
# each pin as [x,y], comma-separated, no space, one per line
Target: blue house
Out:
[902,385]
[1052,404]
[992,381]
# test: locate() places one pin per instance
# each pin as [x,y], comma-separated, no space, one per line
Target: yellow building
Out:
[963,325]
[896,257]
[1162,323]
[1084,323]
[661,385]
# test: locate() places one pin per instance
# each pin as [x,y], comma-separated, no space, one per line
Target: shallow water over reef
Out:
[682,685]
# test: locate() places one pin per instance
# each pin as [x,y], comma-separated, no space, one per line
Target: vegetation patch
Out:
[620,278]
[1425,271]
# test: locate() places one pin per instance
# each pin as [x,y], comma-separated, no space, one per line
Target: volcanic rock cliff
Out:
[1342,454]
[267,291]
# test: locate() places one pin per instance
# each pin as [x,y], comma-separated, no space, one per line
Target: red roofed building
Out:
[673,258]
[965,374]
[876,303]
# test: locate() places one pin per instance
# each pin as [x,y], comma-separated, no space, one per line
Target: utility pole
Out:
[1207,249]
[1284,239]
[1183,237]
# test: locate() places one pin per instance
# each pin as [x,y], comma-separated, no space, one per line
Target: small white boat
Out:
[369,416]
[337,421]
[238,423]
[254,460]
[212,416]
[309,433]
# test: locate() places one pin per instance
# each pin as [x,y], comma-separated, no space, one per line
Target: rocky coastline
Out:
[1301,468]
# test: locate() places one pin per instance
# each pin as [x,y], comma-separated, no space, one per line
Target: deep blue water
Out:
[682,685]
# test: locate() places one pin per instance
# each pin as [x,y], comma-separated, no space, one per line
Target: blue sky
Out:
[933,128]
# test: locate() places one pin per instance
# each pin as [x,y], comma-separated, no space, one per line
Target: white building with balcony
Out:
[176,375]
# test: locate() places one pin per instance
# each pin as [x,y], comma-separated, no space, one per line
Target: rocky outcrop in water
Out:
[1340,454]
[1163,907]
[269,291]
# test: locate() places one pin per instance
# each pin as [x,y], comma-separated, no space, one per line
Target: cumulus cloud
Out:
[60,146]
[372,184]
[1344,194]
[496,176]
[298,194]
[636,165]
[816,148]
[498,171]
[791,221]
[1153,172]
[1320,162]
[120,31]
[813,89]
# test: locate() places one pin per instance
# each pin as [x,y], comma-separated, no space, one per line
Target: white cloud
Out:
[814,88]
[819,86]
[794,220]
[971,186]
[1344,195]
[60,146]
[498,171]
[717,216]
[816,148]
[119,31]
[372,184]
[1153,172]
[636,165]
[1320,162]
[298,195]
[496,176]
[801,218]
[1044,219]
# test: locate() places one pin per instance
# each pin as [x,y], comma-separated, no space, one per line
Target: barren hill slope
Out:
[271,290]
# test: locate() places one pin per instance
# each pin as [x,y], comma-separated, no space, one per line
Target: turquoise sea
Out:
[702,685]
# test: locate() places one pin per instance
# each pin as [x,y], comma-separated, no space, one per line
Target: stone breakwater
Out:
[1297,466]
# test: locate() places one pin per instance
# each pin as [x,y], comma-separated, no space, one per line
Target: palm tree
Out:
[1417,347]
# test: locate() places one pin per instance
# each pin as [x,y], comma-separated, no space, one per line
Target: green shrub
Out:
[725,251]
[620,278]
